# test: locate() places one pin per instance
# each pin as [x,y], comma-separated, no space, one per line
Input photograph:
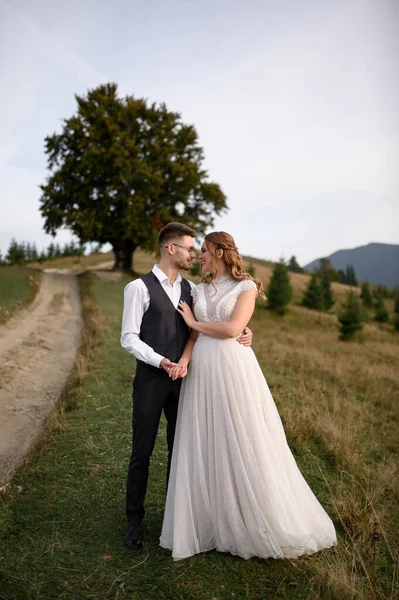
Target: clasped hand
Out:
[174,370]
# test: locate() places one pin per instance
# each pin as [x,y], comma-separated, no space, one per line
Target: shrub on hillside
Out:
[326,291]
[350,318]
[279,292]
[313,297]
[195,267]
[366,295]
[251,270]
[381,313]
[293,265]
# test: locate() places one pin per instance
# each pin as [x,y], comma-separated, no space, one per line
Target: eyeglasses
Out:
[190,249]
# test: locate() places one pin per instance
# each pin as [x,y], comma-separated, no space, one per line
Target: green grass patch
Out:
[62,517]
[18,287]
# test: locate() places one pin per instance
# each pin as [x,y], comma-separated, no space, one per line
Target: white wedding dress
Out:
[234,485]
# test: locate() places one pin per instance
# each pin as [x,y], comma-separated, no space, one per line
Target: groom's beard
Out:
[184,265]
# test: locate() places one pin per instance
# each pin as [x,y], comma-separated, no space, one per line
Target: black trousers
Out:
[153,391]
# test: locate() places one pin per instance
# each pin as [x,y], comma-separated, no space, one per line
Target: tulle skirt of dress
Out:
[234,485]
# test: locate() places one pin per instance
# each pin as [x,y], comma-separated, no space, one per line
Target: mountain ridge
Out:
[375,262]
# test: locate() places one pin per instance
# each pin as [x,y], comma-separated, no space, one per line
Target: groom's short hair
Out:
[173,230]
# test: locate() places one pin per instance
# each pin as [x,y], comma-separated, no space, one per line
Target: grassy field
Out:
[18,287]
[62,519]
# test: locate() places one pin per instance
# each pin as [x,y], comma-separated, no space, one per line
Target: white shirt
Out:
[136,302]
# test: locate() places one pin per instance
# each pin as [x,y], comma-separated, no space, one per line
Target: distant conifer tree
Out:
[251,270]
[293,265]
[366,295]
[381,313]
[326,291]
[16,253]
[195,267]
[279,291]
[313,297]
[350,317]
[350,276]
[396,309]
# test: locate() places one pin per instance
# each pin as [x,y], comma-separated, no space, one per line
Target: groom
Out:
[156,334]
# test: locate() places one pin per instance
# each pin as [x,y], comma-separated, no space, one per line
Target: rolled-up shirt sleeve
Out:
[136,302]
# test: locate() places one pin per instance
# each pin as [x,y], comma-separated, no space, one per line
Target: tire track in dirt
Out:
[37,352]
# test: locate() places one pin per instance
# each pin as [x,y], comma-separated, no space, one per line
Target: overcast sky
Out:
[295,103]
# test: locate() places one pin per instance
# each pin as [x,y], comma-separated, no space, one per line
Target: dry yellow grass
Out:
[340,406]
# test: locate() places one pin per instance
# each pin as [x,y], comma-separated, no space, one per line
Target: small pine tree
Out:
[313,297]
[326,268]
[350,276]
[366,295]
[395,321]
[251,270]
[396,309]
[350,318]
[34,255]
[293,265]
[341,276]
[279,292]
[195,267]
[326,291]
[381,313]
[42,256]
[15,253]
[50,251]
[28,252]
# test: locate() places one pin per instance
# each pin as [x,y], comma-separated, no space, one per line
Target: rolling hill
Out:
[376,263]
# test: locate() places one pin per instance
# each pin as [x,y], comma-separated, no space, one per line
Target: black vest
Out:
[162,328]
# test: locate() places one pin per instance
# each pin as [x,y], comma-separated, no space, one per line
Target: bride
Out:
[234,485]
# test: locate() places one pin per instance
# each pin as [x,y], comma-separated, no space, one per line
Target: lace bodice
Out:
[213,306]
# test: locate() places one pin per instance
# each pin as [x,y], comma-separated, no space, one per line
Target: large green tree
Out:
[121,169]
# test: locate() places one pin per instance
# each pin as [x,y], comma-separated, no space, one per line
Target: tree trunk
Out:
[123,252]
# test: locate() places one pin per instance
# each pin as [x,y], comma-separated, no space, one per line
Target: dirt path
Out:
[37,352]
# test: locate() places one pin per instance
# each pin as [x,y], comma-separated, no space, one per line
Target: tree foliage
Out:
[250,269]
[326,291]
[348,276]
[279,292]
[195,268]
[327,270]
[366,295]
[121,169]
[16,253]
[313,296]
[19,253]
[294,266]
[381,313]
[350,317]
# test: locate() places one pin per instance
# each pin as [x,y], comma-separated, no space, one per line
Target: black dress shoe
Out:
[133,539]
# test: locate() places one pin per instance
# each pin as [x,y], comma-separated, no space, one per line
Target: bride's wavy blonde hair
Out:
[220,240]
